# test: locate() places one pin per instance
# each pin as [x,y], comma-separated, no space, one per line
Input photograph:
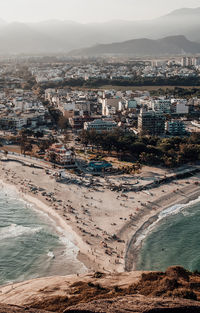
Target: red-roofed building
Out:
[59,154]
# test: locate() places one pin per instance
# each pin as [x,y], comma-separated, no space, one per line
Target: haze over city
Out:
[99,156]
[87,11]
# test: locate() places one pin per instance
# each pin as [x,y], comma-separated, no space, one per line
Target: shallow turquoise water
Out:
[175,240]
[30,246]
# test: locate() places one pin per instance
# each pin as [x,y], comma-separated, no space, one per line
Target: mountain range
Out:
[56,36]
[172,45]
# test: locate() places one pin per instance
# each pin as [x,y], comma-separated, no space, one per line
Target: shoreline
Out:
[74,237]
[61,227]
[102,223]
[133,248]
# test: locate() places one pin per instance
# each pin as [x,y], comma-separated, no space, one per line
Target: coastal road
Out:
[27,159]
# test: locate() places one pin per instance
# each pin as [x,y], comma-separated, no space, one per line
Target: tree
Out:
[65,138]
[84,138]
[44,144]
[39,134]
[137,148]
[52,157]
[149,158]
[63,122]
[169,161]
[23,142]
[190,152]
[55,114]
[28,132]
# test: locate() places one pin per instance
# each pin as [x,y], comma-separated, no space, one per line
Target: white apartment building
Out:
[111,105]
[100,125]
[181,107]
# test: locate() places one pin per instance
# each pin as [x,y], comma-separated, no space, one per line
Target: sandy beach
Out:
[104,224]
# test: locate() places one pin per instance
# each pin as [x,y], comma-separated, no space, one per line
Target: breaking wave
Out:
[15,230]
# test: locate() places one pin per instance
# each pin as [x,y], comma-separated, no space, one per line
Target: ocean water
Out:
[30,245]
[173,240]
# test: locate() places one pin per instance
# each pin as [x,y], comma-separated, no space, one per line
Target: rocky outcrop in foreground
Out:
[136,304]
[5,308]
[175,290]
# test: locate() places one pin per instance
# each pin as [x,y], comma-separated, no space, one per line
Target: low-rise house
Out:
[131,104]
[175,127]
[12,122]
[77,122]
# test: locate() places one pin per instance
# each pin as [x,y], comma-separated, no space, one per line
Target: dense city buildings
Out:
[40,95]
[103,70]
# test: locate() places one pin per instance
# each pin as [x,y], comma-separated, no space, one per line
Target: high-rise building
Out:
[183,61]
[196,61]
[187,61]
[151,122]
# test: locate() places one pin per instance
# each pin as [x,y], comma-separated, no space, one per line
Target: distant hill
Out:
[20,38]
[184,12]
[174,45]
[56,36]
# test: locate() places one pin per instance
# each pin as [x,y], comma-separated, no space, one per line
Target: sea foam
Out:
[14,231]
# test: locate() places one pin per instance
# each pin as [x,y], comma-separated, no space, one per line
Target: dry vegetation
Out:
[175,282]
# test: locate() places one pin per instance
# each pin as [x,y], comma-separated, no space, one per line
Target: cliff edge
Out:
[175,290]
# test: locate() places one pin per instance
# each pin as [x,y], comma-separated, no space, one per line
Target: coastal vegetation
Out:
[149,150]
[180,92]
[137,81]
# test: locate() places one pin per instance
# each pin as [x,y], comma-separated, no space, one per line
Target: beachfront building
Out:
[151,122]
[100,125]
[59,154]
[99,166]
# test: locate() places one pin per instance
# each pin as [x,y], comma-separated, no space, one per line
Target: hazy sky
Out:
[88,10]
